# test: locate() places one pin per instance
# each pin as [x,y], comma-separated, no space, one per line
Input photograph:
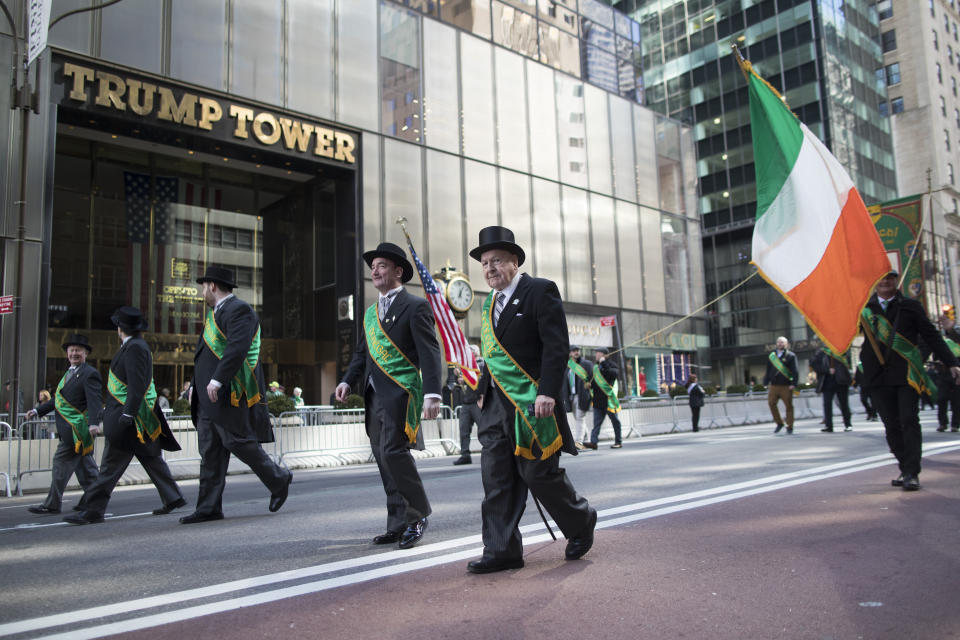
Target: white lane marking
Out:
[747,489]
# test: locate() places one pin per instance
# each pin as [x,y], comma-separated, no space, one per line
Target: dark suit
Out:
[84,391]
[410,325]
[469,411]
[133,365]
[223,429]
[534,332]
[696,397]
[833,385]
[577,398]
[609,371]
[894,399]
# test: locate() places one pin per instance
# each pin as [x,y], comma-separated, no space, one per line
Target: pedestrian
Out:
[297,397]
[577,393]
[833,381]
[41,431]
[470,409]
[164,398]
[398,344]
[781,378]
[77,400]
[133,424]
[185,392]
[864,393]
[8,394]
[274,390]
[227,400]
[893,370]
[948,396]
[696,394]
[605,401]
[524,427]
[641,382]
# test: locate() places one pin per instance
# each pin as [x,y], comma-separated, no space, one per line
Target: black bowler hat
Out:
[393,253]
[601,350]
[129,319]
[77,340]
[497,238]
[892,272]
[220,275]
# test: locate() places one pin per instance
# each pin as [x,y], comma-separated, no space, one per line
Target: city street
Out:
[726,533]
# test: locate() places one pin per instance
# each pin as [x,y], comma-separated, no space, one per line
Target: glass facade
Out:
[466,114]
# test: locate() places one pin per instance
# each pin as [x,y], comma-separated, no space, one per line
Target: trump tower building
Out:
[280,138]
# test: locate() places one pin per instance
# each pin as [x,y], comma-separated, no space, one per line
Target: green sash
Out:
[520,389]
[82,440]
[954,347]
[613,402]
[835,356]
[916,373]
[146,421]
[244,383]
[397,367]
[578,371]
[782,368]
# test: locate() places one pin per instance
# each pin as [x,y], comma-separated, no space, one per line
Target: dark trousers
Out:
[112,466]
[469,416]
[898,408]
[867,403]
[842,393]
[66,462]
[506,479]
[216,445]
[695,417]
[598,416]
[948,396]
[406,498]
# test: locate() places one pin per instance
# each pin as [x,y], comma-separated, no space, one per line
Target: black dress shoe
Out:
[84,517]
[412,535]
[577,547]
[589,445]
[167,508]
[195,517]
[387,538]
[76,507]
[39,508]
[277,499]
[898,481]
[777,430]
[827,430]
[789,430]
[463,460]
[911,483]
[492,565]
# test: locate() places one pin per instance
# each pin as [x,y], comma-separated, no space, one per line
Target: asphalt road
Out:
[722,493]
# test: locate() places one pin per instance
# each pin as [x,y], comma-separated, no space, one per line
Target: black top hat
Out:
[497,238]
[77,340]
[129,319]
[393,253]
[220,275]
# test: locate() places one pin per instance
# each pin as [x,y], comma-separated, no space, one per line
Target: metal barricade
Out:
[35,448]
[8,434]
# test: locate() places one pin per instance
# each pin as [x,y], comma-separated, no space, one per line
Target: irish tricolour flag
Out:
[813,239]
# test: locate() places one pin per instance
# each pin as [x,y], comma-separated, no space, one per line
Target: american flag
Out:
[455,347]
[145,277]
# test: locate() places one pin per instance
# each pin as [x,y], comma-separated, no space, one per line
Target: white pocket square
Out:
[518,315]
[516,301]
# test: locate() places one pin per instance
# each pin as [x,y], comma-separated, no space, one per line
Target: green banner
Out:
[898,223]
[146,421]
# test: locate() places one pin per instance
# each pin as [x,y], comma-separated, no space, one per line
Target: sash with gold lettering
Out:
[146,421]
[244,383]
[613,402]
[398,367]
[520,389]
[782,368]
[916,373]
[82,440]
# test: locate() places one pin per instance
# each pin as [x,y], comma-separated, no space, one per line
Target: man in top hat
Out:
[228,398]
[524,425]
[577,383]
[77,400]
[896,329]
[605,401]
[133,424]
[399,342]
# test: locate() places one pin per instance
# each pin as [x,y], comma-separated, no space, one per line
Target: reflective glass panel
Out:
[597,12]
[402,189]
[310,72]
[480,196]
[576,246]
[652,260]
[511,110]
[441,107]
[470,15]
[675,265]
[598,140]
[621,134]
[400,72]
[257,54]
[71,33]
[648,191]
[631,266]
[559,49]
[548,235]
[515,207]
[557,15]
[132,34]
[199,27]
[357,98]
[514,29]
[601,68]
[543,120]
[372,218]
[476,78]
[444,219]
[604,229]
[571,130]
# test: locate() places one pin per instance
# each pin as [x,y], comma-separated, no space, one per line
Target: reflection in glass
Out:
[441,107]
[131,34]
[597,12]
[652,260]
[598,140]
[200,30]
[604,232]
[631,267]
[576,246]
[511,110]
[548,235]
[357,64]
[472,16]
[646,154]
[258,47]
[444,217]
[621,124]
[543,120]
[476,78]
[514,29]
[310,70]
[554,13]
[559,49]
[400,72]
[675,265]
[601,68]
[571,131]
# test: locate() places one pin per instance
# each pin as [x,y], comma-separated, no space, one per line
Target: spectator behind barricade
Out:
[164,399]
[185,392]
[7,393]
[41,431]
[274,390]
[297,397]
[696,394]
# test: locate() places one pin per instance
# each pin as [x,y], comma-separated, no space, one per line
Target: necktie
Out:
[384,304]
[498,307]
[883,304]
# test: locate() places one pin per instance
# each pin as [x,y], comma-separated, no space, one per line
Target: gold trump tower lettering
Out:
[142,98]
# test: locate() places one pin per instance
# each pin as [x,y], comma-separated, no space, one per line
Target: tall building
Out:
[282,138]
[823,57]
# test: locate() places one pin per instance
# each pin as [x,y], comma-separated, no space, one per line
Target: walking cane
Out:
[543,517]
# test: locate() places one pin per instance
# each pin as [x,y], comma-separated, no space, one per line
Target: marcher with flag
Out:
[898,338]
[397,345]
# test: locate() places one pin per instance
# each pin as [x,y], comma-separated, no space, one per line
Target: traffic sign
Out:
[6,304]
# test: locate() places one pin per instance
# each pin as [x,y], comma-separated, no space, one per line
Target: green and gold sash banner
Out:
[244,383]
[578,371]
[613,402]
[782,368]
[520,389]
[397,367]
[841,358]
[82,440]
[954,347]
[916,373]
[146,421]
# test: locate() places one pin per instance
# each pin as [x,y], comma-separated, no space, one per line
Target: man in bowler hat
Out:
[77,401]
[523,426]
[399,342]
[133,424]
[228,398]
